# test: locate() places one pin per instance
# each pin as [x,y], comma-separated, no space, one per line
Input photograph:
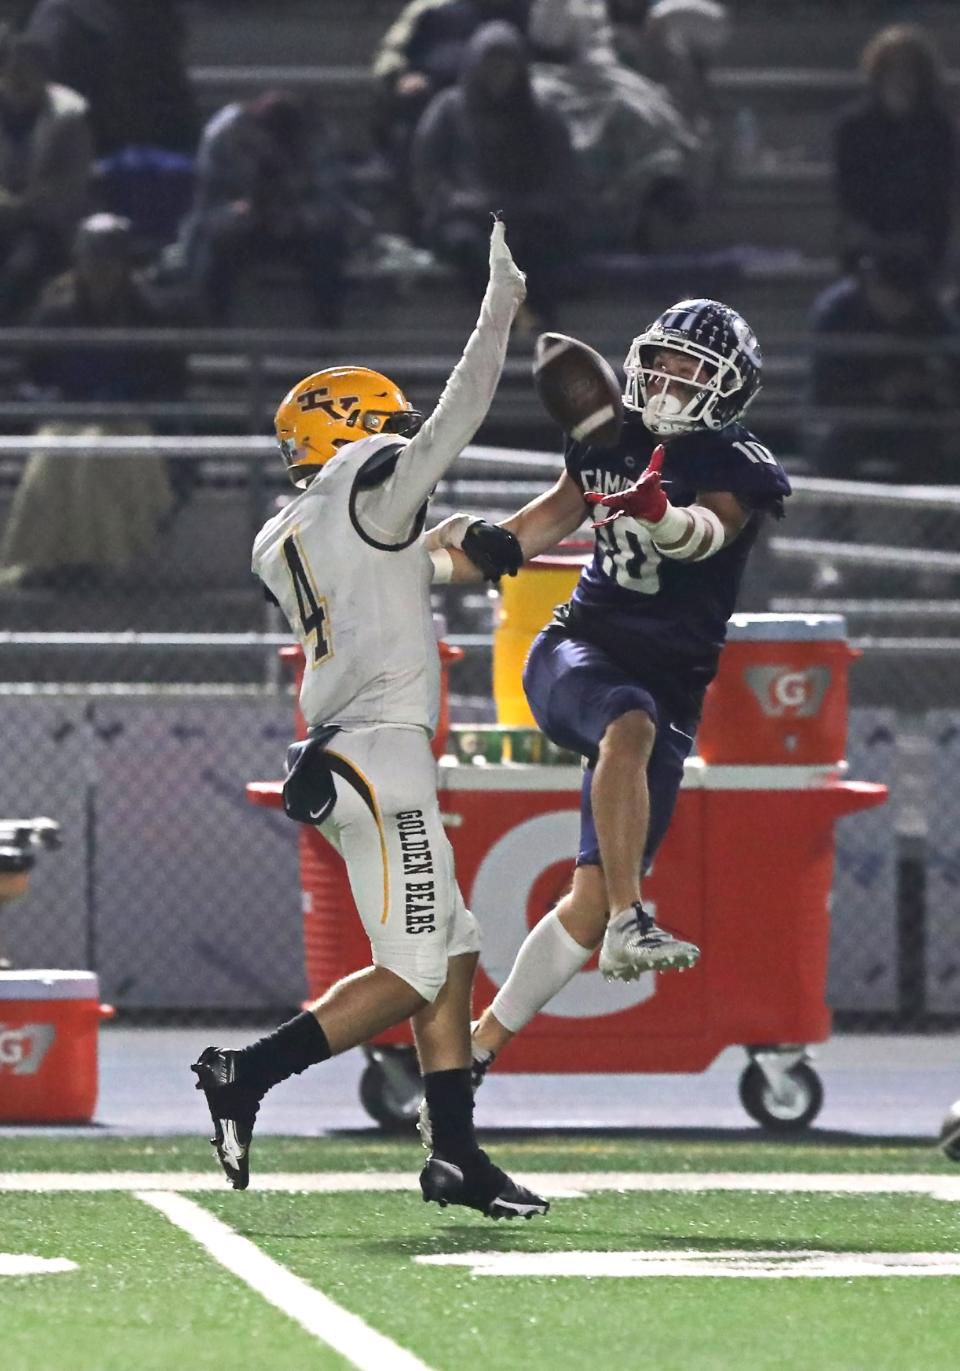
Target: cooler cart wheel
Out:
[789,1108]
[391,1087]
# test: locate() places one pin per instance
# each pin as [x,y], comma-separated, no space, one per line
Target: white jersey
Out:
[360,607]
[346,559]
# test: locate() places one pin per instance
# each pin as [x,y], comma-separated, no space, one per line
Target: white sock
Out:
[548,959]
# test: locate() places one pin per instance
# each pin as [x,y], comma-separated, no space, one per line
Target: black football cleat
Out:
[479,1185]
[233,1109]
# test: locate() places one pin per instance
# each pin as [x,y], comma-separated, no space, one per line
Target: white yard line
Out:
[205,1180]
[557,1183]
[774,1264]
[361,1345]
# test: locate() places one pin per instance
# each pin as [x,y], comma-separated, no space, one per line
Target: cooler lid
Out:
[49,985]
[787,628]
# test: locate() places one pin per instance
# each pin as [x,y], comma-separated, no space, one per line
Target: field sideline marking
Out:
[332,1325]
[558,1183]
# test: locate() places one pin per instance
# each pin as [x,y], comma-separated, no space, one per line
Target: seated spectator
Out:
[421,54]
[126,58]
[75,517]
[488,144]
[675,42]
[901,390]
[639,159]
[268,185]
[45,160]
[895,153]
[150,186]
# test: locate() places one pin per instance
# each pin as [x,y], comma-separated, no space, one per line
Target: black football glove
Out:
[493,550]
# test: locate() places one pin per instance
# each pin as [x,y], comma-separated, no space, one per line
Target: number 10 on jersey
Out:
[311,606]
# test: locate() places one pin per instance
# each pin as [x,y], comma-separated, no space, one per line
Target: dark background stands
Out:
[269,184]
[127,58]
[889,297]
[488,144]
[45,165]
[421,54]
[895,153]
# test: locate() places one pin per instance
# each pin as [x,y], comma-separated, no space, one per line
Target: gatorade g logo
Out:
[500,897]
[786,691]
[23,1049]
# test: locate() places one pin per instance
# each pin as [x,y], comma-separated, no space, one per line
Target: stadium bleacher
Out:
[766,246]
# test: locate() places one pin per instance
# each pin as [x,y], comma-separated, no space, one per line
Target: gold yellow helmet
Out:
[340,405]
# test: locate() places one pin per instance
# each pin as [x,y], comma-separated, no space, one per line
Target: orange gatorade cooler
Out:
[780,694]
[48,1046]
[527,602]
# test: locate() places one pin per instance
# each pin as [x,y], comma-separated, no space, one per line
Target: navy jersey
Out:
[665,620]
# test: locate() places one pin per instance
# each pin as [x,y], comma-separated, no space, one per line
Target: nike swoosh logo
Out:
[231,1147]
[316,813]
[688,736]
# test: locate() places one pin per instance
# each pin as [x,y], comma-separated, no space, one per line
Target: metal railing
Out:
[236,375]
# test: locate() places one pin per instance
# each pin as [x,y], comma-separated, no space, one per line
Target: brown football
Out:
[578,388]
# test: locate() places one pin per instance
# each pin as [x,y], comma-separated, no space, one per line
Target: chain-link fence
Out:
[137,703]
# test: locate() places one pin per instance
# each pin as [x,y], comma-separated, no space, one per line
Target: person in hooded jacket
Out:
[895,153]
[421,54]
[488,144]
[126,58]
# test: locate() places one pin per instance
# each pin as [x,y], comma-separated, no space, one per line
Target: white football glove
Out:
[503,269]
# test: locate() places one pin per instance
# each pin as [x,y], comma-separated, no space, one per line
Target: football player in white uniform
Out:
[349,565]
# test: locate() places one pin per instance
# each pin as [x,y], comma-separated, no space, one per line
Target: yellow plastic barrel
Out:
[526,603]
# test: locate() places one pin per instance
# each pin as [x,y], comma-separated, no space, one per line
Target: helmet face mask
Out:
[723,383]
[329,409]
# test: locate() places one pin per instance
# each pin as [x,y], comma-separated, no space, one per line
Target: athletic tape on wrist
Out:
[442,566]
[683,530]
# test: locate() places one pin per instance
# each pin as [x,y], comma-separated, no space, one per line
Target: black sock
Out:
[449,1097]
[287,1051]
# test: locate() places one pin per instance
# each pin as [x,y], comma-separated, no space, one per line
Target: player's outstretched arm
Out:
[688,533]
[501,549]
[462,407]
[548,518]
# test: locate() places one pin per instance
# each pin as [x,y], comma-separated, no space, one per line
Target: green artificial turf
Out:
[146,1295]
[360,1251]
[537,1152]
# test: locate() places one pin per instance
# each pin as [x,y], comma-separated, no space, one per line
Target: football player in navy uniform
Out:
[620,673]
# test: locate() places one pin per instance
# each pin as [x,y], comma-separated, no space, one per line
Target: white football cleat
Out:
[633,944]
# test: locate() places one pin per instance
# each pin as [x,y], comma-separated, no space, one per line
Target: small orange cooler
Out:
[780,694]
[49,1023]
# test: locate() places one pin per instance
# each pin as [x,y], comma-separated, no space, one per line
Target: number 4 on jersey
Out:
[312,607]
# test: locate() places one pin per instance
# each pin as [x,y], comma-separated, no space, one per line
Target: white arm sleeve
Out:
[388,510]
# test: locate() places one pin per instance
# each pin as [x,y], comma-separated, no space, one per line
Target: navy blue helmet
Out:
[724,381]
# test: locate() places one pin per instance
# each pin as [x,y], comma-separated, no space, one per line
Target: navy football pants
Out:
[575,692]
